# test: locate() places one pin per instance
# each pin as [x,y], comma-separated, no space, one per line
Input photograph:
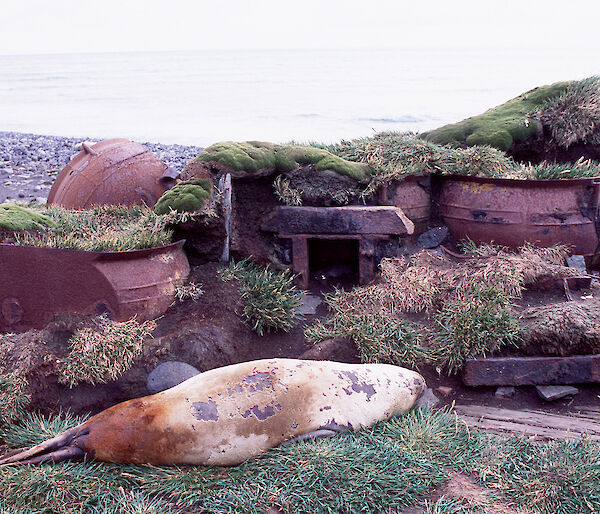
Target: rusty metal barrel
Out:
[412,195]
[114,171]
[511,212]
[38,283]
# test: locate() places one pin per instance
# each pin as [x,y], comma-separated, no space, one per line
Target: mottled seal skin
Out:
[231,414]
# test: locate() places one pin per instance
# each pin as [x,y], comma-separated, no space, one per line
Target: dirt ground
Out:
[210,333]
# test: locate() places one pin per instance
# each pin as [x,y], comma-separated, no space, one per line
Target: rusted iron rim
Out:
[108,256]
[524,181]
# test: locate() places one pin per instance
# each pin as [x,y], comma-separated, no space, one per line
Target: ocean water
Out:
[201,97]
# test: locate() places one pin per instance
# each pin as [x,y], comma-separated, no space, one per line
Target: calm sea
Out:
[321,95]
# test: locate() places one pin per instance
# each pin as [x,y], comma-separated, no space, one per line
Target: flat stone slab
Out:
[551,393]
[350,219]
[310,302]
[515,371]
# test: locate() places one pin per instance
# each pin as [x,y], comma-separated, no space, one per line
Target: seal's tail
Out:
[65,446]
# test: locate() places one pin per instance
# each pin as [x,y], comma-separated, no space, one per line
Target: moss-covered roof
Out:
[186,196]
[500,126]
[255,156]
[16,217]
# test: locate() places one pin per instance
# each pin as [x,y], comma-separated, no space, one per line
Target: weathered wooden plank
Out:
[496,371]
[350,219]
[528,422]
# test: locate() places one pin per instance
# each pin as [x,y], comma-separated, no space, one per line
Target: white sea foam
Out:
[201,97]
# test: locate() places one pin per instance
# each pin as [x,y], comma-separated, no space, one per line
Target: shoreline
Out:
[29,163]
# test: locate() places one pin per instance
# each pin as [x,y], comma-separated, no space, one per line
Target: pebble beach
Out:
[29,163]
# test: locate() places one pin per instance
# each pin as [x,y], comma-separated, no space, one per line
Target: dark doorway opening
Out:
[333,261]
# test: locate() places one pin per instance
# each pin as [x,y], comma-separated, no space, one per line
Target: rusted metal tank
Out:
[412,195]
[511,212]
[115,171]
[38,283]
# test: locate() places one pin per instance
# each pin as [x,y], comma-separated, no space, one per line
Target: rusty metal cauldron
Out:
[41,282]
[511,212]
[114,171]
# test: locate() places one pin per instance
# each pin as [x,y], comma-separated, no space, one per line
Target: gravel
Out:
[29,163]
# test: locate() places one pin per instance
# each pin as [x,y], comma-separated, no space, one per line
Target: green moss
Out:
[500,126]
[184,197]
[248,156]
[254,156]
[15,217]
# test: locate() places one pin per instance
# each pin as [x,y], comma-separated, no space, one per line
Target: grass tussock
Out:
[270,299]
[582,168]
[474,322]
[14,396]
[574,116]
[103,351]
[285,193]
[466,308]
[103,229]
[389,466]
[188,291]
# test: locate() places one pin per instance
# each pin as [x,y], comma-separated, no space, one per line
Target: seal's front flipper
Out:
[328,430]
[322,432]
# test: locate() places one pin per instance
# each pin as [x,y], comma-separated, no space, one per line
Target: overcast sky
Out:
[65,26]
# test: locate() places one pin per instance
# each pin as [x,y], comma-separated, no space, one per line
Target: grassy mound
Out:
[16,217]
[466,307]
[385,468]
[188,196]
[514,120]
[105,228]
[571,328]
[253,157]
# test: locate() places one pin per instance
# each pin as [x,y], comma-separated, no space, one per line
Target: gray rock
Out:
[433,237]
[310,302]
[505,392]
[169,374]
[427,400]
[556,392]
[577,262]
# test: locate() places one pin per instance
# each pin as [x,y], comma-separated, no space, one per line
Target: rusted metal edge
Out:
[522,181]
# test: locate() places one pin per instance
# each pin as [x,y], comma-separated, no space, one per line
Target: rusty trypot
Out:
[412,195]
[511,212]
[38,283]
[115,171]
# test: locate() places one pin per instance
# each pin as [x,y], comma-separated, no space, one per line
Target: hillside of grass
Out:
[569,112]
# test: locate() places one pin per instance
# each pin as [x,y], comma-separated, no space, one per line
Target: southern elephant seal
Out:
[228,415]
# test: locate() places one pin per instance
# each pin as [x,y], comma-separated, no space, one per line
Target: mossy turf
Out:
[500,126]
[16,217]
[188,196]
[254,156]
[389,466]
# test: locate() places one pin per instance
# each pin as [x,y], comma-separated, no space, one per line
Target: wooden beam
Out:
[350,219]
[531,422]
[515,371]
